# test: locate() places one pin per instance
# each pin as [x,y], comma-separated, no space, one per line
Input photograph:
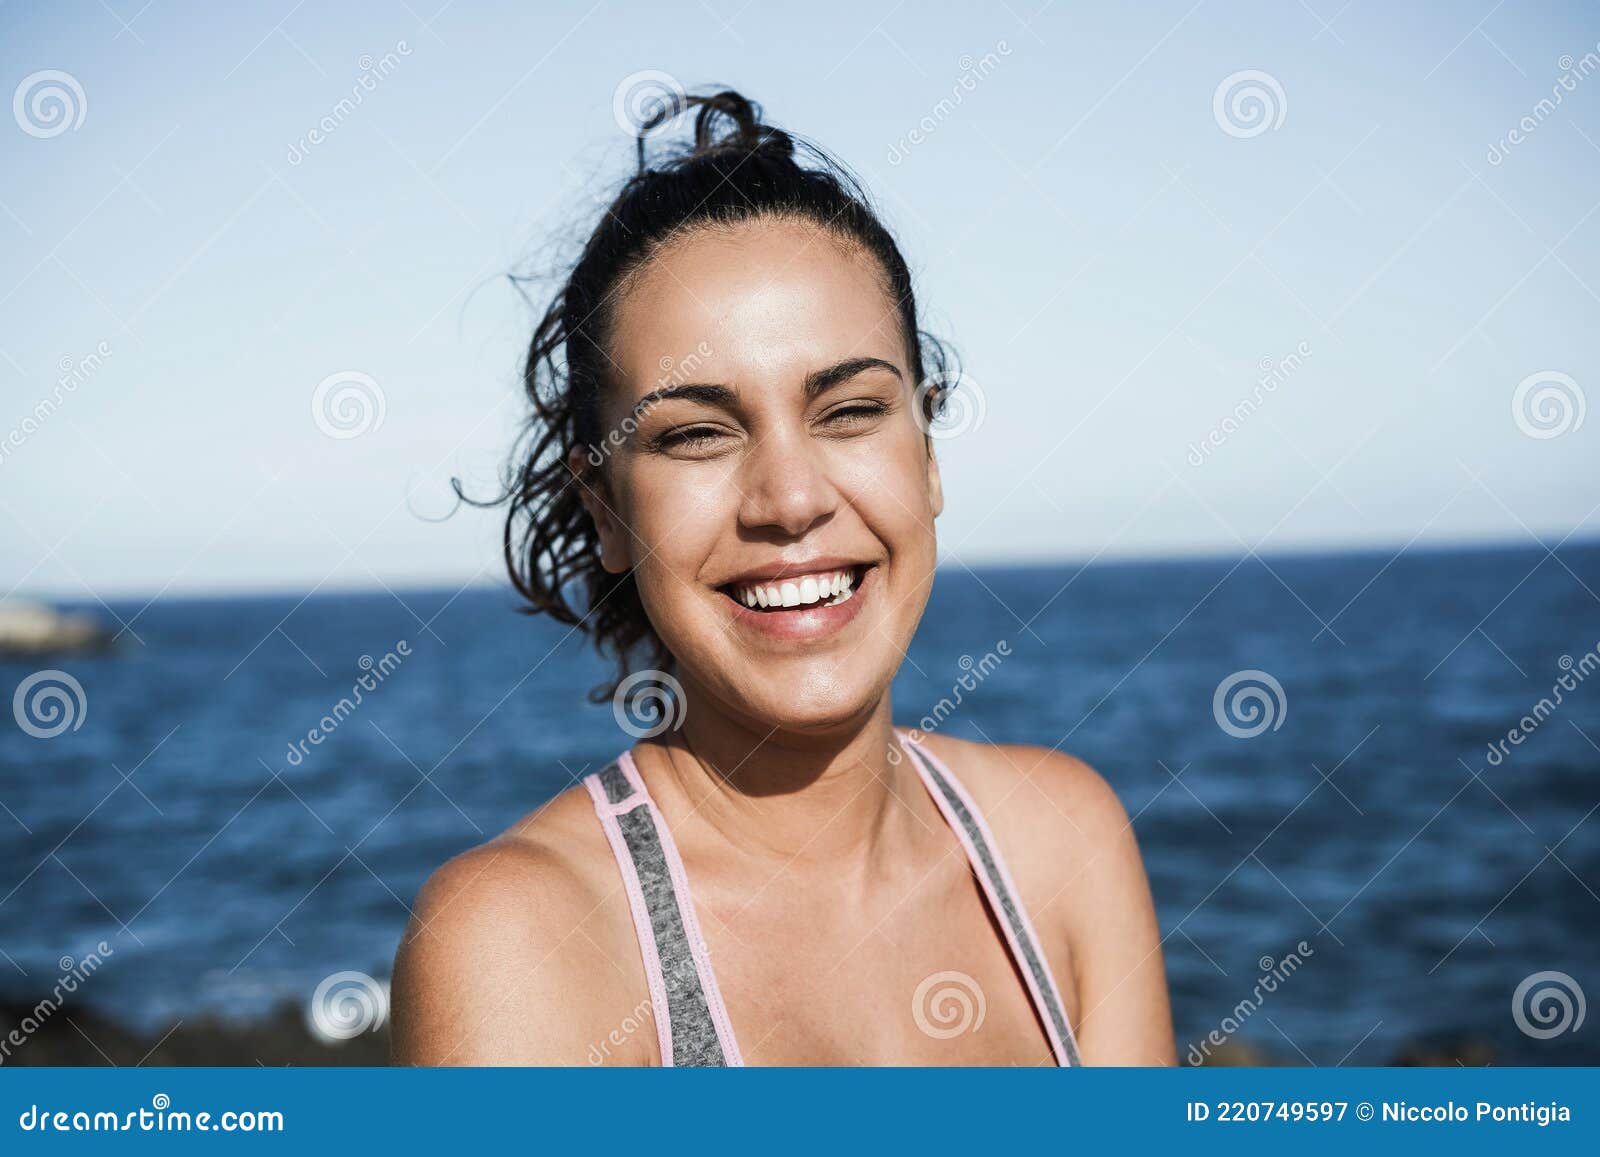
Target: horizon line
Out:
[1016,562]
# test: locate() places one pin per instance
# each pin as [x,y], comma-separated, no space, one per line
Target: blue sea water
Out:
[1426,880]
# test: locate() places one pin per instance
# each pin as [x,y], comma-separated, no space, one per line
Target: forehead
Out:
[762,302]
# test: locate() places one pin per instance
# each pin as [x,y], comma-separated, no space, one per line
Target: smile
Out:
[830,588]
[799,606]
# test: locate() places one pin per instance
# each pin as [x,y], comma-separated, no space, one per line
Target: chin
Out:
[809,699]
[818,719]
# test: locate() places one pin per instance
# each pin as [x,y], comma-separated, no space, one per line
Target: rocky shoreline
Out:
[75,1036]
[85,1037]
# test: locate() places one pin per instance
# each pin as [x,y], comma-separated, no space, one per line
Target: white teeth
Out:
[832,587]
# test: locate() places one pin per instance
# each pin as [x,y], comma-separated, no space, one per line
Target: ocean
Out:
[1373,823]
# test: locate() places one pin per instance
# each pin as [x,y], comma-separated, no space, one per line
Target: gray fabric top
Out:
[688,1013]
[694,1033]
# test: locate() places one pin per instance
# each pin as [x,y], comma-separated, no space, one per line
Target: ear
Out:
[597,500]
[935,486]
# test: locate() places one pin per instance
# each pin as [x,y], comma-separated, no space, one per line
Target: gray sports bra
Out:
[691,1019]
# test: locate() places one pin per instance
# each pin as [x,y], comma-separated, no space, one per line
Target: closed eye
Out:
[688,439]
[854,415]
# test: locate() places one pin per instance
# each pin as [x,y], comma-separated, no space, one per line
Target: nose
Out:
[785,485]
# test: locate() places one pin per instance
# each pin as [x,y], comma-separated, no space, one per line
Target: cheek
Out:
[668,502]
[888,486]
[675,517]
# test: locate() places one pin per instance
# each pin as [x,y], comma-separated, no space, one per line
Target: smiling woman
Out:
[763,536]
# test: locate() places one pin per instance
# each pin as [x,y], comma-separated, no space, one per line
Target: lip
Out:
[803,624]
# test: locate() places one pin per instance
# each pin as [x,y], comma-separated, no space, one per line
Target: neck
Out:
[800,797]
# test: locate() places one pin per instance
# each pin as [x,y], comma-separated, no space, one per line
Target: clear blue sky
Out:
[1113,265]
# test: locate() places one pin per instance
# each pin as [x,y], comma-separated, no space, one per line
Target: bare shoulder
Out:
[514,953]
[1071,848]
[1040,802]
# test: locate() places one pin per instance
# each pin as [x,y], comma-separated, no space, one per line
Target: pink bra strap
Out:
[691,1019]
[983,853]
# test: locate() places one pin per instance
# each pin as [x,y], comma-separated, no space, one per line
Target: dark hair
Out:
[736,169]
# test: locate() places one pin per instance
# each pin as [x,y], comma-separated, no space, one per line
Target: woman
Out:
[732,399]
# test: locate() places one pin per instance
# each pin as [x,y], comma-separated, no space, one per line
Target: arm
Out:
[490,969]
[1125,1016]
[1079,847]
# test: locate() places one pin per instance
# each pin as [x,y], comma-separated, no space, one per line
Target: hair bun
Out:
[726,122]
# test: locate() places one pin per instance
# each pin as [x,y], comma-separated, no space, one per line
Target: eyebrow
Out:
[820,381]
[817,382]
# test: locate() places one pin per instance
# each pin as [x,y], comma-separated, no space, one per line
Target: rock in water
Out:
[29,628]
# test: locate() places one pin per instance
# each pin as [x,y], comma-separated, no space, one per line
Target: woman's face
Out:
[775,459]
